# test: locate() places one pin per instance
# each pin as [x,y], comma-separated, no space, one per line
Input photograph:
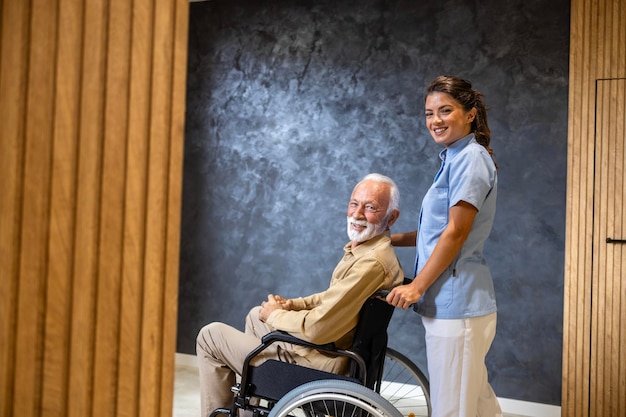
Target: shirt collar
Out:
[456,147]
[368,244]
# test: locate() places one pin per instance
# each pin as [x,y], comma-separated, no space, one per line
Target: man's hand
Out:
[286,303]
[272,303]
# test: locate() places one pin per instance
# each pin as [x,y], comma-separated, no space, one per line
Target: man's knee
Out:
[253,313]
[252,319]
[206,336]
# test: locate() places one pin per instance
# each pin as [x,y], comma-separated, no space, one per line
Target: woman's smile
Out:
[446,119]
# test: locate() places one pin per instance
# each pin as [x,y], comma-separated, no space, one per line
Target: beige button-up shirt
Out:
[332,315]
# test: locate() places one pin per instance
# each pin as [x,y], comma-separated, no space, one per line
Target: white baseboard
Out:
[509,406]
[528,409]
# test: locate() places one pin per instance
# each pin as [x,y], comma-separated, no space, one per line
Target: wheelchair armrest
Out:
[282,336]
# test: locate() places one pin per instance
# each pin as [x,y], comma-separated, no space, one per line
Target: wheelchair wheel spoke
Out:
[405,386]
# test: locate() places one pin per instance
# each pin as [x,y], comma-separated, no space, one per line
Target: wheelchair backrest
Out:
[370,338]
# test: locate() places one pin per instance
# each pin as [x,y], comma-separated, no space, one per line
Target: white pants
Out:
[456,351]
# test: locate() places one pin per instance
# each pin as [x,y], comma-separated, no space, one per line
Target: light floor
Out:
[186,394]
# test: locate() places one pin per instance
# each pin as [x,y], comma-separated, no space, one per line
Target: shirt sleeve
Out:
[339,306]
[307,303]
[472,176]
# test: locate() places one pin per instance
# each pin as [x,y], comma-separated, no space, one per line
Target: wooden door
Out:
[607,388]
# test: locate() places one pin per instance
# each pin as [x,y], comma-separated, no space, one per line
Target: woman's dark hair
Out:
[461,90]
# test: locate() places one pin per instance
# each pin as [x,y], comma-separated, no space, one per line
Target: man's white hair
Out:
[394,193]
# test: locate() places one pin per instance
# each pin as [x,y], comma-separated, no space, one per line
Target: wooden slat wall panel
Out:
[14,19]
[597,45]
[92,95]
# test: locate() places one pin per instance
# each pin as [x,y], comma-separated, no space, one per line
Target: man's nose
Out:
[358,212]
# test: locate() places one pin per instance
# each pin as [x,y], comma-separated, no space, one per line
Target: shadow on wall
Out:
[290,103]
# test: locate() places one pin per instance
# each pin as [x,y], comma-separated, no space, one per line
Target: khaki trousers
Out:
[222,350]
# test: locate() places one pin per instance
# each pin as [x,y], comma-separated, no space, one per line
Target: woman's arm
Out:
[452,239]
[404,239]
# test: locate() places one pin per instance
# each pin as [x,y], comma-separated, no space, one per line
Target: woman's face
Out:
[446,119]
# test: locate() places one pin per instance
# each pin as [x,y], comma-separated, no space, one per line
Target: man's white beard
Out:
[371,230]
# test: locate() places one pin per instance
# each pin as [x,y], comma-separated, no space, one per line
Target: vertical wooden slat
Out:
[599,262]
[618,107]
[601,346]
[602,299]
[571,365]
[111,256]
[35,210]
[135,210]
[88,190]
[14,32]
[620,270]
[160,120]
[176,129]
[574,266]
[65,66]
[613,307]
[63,180]
[583,243]
[609,319]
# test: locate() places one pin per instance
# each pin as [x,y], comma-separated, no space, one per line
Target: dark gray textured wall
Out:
[290,103]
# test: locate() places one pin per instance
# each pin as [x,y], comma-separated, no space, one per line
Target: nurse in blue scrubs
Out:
[453,288]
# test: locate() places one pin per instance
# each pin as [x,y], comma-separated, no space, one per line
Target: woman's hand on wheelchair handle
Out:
[403,296]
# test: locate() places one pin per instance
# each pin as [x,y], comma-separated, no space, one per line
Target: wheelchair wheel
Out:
[331,397]
[405,386]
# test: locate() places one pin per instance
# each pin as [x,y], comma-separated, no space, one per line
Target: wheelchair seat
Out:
[272,379]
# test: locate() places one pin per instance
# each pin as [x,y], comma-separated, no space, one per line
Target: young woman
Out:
[453,287]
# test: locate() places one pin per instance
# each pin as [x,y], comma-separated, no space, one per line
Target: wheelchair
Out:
[381,382]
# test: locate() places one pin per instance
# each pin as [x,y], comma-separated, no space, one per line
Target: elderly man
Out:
[369,264]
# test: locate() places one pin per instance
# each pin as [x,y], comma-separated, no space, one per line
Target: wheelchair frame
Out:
[273,380]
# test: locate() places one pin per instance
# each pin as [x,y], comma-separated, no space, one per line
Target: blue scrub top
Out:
[465,288]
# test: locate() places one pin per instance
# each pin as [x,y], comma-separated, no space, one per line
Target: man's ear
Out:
[393,217]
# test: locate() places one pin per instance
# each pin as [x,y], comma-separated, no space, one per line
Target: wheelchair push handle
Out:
[382,293]
[385,293]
